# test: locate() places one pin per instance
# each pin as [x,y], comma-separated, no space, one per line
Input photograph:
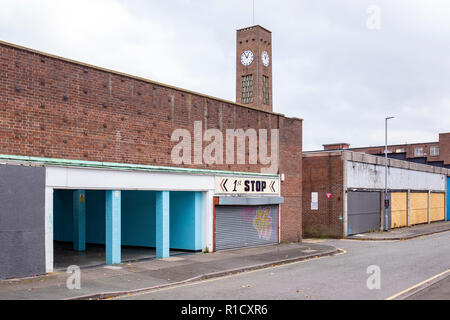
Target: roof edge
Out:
[87,65]
[122,166]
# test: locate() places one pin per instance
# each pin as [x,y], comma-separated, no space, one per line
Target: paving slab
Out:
[405,233]
[102,281]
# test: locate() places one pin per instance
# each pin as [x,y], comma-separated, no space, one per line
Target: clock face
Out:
[265,58]
[247,58]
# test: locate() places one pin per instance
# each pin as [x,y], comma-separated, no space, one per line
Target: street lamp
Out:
[386,200]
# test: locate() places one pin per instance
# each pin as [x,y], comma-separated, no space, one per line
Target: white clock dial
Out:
[265,58]
[247,58]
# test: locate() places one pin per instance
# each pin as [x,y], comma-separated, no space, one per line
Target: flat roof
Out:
[251,27]
[362,157]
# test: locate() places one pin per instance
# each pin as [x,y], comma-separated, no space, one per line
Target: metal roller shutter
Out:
[246,226]
[364,209]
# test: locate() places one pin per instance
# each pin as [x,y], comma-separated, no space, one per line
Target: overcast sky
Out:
[330,69]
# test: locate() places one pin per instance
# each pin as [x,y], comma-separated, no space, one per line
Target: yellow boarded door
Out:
[399,209]
[419,208]
[437,210]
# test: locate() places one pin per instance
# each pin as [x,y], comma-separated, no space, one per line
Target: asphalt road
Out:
[402,264]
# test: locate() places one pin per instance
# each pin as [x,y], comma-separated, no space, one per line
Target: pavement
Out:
[129,278]
[434,288]
[405,233]
[439,290]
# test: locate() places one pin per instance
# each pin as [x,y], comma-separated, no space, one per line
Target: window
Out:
[400,150]
[434,151]
[266,99]
[418,152]
[247,89]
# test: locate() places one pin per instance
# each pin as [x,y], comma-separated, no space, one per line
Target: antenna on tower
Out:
[253,12]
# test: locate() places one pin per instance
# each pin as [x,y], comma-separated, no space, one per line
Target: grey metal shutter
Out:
[364,212]
[246,226]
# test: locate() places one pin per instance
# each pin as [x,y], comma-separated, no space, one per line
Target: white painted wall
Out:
[371,176]
[104,179]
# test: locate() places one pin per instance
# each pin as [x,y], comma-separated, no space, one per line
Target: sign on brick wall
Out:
[314,201]
[242,186]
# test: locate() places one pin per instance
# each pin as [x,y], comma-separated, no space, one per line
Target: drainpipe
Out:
[345,199]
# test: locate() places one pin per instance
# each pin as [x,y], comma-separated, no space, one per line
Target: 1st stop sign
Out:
[329,195]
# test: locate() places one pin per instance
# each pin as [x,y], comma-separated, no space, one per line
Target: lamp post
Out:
[386,227]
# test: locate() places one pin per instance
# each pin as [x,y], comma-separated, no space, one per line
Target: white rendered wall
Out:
[103,179]
[371,176]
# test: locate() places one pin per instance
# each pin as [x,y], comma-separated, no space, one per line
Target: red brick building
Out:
[433,153]
[343,193]
[84,125]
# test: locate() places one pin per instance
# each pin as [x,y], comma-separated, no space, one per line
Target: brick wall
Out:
[444,147]
[256,39]
[443,144]
[55,108]
[323,174]
[291,165]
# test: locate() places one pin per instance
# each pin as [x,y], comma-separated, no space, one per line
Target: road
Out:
[402,264]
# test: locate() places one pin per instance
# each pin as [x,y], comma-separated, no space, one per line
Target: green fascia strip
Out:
[125,166]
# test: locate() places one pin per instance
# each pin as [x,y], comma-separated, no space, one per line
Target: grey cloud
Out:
[329,69]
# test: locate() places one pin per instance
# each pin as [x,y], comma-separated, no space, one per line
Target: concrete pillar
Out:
[198,220]
[162,224]
[79,220]
[113,227]
[49,259]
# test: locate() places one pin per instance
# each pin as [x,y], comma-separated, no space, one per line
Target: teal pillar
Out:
[113,227]
[198,221]
[162,224]
[79,220]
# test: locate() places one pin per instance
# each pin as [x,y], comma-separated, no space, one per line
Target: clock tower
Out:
[254,68]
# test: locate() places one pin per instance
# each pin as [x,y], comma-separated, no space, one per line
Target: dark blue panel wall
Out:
[138,218]
[95,217]
[63,216]
[22,221]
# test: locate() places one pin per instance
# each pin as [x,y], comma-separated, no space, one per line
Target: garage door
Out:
[246,226]
[437,209]
[399,209]
[364,212]
[419,208]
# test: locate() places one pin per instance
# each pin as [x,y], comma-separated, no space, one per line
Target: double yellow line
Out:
[418,285]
